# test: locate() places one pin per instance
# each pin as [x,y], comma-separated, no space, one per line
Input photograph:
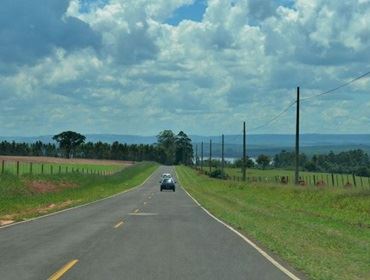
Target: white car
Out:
[165,176]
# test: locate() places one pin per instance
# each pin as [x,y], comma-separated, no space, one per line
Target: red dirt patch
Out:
[64,160]
[6,222]
[47,209]
[11,218]
[48,186]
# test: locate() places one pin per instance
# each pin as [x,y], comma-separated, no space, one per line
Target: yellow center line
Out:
[119,224]
[57,275]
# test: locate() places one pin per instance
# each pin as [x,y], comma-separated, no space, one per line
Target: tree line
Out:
[353,162]
[169,149]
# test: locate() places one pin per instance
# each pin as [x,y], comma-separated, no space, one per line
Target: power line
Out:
[310,97]
[302,99]
[338,87]
[276,117]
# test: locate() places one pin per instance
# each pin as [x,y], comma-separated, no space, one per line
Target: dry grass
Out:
[63,160]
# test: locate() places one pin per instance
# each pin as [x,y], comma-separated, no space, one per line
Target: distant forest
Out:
[354,161]
[89,150]
[170,149]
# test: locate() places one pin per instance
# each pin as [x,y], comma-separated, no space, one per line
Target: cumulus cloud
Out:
[30,30]
[117,66]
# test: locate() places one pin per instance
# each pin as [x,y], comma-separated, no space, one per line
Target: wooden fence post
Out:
[51,169]
[17,168]
[354,179]
[314,180]
[42,168]
[3,167]
[332,179]
[60,169]
[30,167]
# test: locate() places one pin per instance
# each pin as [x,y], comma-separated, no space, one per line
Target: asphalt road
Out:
[142,234]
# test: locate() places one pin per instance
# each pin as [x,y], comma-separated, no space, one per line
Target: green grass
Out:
[270,174]
[18,201]
[324,233]
[48,168]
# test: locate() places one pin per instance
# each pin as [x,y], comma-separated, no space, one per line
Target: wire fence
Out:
[281,177]
[22,168]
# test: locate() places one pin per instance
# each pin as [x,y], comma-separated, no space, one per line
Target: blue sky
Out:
[141,66]
[192,12]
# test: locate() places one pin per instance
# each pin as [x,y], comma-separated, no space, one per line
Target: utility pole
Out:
[196,155]
[244,153]
[210,155]
[297,142]
[223,159]
[201,160]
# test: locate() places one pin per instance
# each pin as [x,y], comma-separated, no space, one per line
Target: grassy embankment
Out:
[324,232]
[339,179]
[27,196]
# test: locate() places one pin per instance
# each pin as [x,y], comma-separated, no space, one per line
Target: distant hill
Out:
[256,144]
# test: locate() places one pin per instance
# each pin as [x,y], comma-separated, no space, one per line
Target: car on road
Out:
[168,184]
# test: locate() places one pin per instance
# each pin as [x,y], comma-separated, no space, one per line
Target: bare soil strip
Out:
[64,160]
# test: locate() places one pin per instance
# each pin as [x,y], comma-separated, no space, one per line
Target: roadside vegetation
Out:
[323,232]
[27,196]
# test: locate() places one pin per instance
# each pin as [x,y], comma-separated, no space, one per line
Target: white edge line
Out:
[78,206]
[262,252]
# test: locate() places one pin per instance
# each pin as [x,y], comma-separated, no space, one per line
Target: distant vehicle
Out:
[168,184]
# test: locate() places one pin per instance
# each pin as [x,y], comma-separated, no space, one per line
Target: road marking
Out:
[143,214]
[57,275]
[262,252]
[119,224]
[144,202]
[136,211]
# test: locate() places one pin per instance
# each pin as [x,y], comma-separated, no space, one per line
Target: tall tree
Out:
[184,149]
[167,143]
[69,141]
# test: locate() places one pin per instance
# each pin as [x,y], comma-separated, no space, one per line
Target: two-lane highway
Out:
[141,234]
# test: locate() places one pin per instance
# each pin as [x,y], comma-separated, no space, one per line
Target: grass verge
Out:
[324,233]
[28,196]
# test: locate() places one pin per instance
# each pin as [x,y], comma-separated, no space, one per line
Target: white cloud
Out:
[130,72]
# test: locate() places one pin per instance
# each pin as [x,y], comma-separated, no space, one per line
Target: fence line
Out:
[333,180]
[21,168]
